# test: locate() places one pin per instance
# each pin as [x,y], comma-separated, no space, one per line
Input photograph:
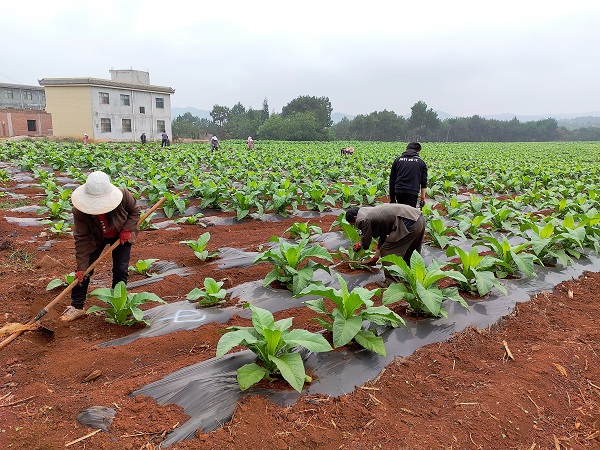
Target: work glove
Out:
[421,204]
[356,247]
[124,236]
[79,275]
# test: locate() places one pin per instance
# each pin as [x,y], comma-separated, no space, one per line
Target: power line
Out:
[12,79]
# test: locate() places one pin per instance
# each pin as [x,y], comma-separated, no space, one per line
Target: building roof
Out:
[20,86]
[105,83]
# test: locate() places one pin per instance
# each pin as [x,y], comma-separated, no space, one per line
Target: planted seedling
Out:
[273,343]
[199,247]
[352,315]
[303,230]
[69,278]
[123,307]
[194,219]
[142,266]
[57,227]
[288,258]
[212,294]
[356,259]
[478,271]
[419,288]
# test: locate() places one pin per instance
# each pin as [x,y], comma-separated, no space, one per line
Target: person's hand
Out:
[79,275]
[124,236]
[421,204]
[356,247]
[372,261]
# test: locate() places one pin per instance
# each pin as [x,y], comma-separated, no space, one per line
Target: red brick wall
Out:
[13,122]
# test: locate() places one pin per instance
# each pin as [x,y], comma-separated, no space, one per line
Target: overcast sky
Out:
[462,57]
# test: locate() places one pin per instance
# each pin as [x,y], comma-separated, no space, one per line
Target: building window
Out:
[27,95]
[42,97]
[142,110]
[160,102]
[105,125]
[8,93]
[31,125]
[124,100]
[160,126]
[126,125]
[104,99]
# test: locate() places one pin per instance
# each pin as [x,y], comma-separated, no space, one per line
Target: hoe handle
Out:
[74,283]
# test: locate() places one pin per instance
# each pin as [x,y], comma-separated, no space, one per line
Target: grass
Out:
[20,257]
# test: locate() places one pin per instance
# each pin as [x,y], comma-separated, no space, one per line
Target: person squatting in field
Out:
[408,177]
[347,151]
[398,228]
[102,214]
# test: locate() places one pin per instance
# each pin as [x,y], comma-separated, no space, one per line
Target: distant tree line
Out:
[308,118]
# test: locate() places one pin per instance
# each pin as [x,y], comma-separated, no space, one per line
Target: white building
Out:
[119,109]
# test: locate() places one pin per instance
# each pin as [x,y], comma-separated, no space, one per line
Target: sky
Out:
[461,57]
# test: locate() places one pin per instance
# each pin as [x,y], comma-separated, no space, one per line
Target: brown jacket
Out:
[87,229]
[384,222]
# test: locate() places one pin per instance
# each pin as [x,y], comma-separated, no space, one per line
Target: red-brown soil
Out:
[466,393]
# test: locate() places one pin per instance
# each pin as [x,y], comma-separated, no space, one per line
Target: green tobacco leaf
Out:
[344,329]
[310,341]
[232,339]
[261,319]
[291,367]
[250,374]
[54,284]
[371,342]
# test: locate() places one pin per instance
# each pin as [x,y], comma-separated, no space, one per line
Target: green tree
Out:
[264,112]
[220,114]
[320,107]
[423,123]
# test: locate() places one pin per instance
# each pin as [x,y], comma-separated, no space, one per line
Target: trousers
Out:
[120,269]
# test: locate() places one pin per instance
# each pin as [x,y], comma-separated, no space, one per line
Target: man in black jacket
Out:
[408,177]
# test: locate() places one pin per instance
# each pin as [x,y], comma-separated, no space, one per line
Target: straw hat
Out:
[97,195]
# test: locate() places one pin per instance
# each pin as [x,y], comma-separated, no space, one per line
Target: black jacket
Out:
[408,175]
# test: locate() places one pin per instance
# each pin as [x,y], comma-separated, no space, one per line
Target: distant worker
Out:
[143,138]
[165,140]
[85,139]
[250,143]
[347,151]
[214,143]
[408,177]
[102,215]
[399,229]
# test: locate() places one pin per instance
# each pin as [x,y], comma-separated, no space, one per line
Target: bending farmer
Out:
[102,214]
[399,229]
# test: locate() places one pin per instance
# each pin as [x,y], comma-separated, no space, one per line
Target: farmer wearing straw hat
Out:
[102,214]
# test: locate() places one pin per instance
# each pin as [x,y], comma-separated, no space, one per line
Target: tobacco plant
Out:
[123,307]
[57,227]
[351,317]
[212,294]
[356,259]
[292,266]
[303,230]
[273,343]
[69,278]
[477,270]
[142,266]
[511,258]
[199,247]
[419,287]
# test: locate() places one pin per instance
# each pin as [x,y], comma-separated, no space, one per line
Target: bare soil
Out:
[466,393]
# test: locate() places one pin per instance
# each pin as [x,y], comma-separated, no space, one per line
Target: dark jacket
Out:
[87,229]
[408,175]
[384,222]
